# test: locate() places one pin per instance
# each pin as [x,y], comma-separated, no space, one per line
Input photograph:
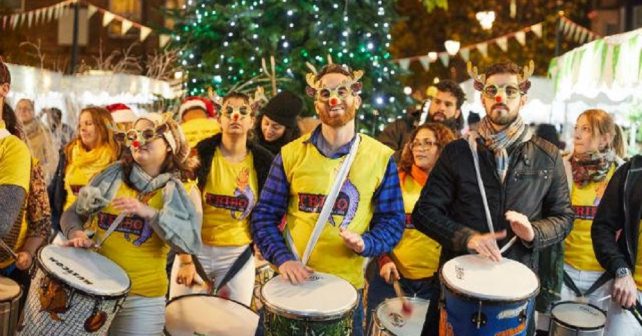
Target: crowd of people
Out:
[223,185]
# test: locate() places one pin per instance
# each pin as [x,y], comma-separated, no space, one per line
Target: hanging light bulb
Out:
[452,47]
[486,19]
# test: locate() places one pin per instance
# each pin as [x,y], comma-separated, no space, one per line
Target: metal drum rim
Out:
[51,274]
[572,327]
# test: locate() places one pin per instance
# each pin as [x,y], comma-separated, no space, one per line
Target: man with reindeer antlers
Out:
[367,218]
[523,177]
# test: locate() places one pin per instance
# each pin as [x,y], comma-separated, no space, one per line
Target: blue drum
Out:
[483,297]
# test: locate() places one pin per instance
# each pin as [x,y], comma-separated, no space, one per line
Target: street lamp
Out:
[486,19]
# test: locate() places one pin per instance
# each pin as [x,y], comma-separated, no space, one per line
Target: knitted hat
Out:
[197,102]
[5,75]
[121,113]
[284,108]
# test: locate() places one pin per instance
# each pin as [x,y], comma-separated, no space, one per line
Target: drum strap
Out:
[597,284]
[236,266]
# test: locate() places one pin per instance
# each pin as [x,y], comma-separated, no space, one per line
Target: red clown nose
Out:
[498,99]
[135,143]
[334,101]
[236,117]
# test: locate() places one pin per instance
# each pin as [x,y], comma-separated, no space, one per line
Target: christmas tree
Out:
[228,45]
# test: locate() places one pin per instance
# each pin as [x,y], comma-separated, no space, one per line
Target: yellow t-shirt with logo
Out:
[311,175]
[196,130]
[230,194]
[578,244]
[135,246]
[15,169]
[416,256]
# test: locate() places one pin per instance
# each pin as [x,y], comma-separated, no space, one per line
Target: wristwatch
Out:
[622,272]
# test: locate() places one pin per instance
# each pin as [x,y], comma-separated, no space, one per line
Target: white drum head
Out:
[390,316]
[208,315]
[321,295]
[579,315]
[85,270]
[476,276]
[9,289]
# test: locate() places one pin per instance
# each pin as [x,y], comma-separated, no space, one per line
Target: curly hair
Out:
[447,85]
[443,134]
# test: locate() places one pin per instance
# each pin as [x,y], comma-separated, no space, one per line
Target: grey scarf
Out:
[178,222]
[499,142]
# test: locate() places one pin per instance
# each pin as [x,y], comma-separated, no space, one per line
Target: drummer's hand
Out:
[486,244]
[387,270]
[24,260]
[352,240]
[294,271]
[78,238]
[521,225]
[133,206]
[624,291]
[185,274]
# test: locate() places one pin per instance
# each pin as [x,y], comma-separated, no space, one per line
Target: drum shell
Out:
[561,328]
[459,308]
[9,314]
[39,322]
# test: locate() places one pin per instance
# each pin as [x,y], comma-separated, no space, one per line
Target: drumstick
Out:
[8,249]
[604,298]
[406,306]
[508,245]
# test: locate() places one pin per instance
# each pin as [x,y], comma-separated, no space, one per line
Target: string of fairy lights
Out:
[242,33]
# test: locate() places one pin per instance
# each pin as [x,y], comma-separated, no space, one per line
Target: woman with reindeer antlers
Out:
[232,172]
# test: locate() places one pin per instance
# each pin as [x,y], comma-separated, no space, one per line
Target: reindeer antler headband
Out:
[480,80]
[314,85]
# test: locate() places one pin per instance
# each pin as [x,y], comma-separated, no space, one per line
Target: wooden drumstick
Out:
[8,249]
[406,306]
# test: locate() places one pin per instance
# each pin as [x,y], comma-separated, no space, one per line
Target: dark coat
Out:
[620,209]
[450,208]
[205,151]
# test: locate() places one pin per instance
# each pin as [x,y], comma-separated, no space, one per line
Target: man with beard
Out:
[445,107]
[367,218]
[523,177]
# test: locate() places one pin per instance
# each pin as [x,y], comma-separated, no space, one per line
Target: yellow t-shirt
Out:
[230,194]
[579,245]
[416,256]
[311,175]
[82,167]
[637,276]
[135,246]
[15,169]
[196,130]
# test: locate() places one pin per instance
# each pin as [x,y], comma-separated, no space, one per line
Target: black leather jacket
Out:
[620,209]
[450,207]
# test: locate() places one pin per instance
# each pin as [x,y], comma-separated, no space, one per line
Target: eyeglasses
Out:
[342,92]
[138,138]
[491,91]
[423,143]
[243,110]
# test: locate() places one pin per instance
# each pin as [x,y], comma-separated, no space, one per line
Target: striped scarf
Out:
[499,142]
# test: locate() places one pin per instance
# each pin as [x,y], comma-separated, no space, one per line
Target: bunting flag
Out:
[465,54]
[107,18]
[91,10]
[126,25]
[520,36]
[404,63]
[432,56]
[445,58]
[144,32]
[502,42]
[483,49]
[163,39]
[537,29]
[425,62]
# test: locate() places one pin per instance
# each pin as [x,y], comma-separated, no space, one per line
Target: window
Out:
[130,9]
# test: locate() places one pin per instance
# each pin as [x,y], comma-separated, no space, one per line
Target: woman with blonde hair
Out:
[414,261]
[151,186]
[91,151]
[598,148]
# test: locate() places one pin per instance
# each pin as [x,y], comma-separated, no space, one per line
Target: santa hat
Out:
[197,102]
[121,113]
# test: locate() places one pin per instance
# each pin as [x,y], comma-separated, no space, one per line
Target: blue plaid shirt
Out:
[386,226]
